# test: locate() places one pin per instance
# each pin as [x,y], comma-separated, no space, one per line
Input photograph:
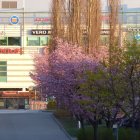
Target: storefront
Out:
[14,100]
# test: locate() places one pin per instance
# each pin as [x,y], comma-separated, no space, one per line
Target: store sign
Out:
[105,31]
[42,20]
[9,51]
[14,19]
[137,37]
[40,32]
[133,29]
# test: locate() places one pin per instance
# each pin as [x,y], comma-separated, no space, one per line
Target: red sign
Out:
[9,92]
[42,19]
[9,51]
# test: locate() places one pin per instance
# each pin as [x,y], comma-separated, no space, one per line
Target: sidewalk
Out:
[5,111]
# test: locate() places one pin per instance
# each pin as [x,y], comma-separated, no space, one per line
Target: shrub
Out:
[87,135]
[62,113]
[51,104]
[107,134]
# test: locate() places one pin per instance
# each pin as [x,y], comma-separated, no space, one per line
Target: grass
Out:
[69,125]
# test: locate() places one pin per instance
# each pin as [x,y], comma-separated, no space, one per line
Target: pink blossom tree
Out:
[63,71]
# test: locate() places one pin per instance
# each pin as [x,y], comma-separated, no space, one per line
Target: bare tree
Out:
[71,17]
[93,23]
[113,21]
[74,25]
[57,20]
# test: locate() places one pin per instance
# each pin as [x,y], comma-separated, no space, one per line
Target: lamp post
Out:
[115,131]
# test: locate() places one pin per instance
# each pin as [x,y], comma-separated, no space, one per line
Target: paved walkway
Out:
[29,125]
[6,111]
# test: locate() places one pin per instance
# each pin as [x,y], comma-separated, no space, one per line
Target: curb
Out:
[62,128]
[47,110]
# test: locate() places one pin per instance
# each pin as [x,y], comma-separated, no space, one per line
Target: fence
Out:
[38,105]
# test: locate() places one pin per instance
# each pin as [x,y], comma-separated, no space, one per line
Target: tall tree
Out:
[80,17]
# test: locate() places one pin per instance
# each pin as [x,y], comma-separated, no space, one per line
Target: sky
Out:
[130,3]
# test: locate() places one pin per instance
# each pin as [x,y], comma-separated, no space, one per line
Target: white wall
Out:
[32,5]
[37,5]
[19,66]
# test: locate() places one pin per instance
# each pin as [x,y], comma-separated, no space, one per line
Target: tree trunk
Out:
[109,124]
[95,136]
[83,128]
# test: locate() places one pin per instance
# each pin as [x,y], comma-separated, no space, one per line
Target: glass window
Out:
[3,62]
[3,41]
[33,41]
[14,41]
[13,4]
[2,68]
[3,71]
[43,41]
[3,79]
[9,4]
[38,41]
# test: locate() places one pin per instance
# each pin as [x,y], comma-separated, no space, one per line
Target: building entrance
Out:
[14,103]
[14,100]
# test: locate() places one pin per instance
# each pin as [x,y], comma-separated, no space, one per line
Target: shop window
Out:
[10,41]
[3,41]
[9,4]
[33,41]
[37,41]
[14,41]
[43,41]
[3,71]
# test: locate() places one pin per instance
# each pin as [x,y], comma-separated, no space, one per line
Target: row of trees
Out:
[88,86]
[93,82]
[77,21]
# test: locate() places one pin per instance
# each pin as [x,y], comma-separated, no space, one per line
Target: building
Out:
[24,31]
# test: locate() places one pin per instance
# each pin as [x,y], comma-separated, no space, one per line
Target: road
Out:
[29,125]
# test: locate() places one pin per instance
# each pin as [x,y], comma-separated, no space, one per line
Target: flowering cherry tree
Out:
[63,71]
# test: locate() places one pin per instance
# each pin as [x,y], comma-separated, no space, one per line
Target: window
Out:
[14,41]
[3,71]
[33,41]
[43,41]
[37,41]
[9,4]
[10,41]
[3,41]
